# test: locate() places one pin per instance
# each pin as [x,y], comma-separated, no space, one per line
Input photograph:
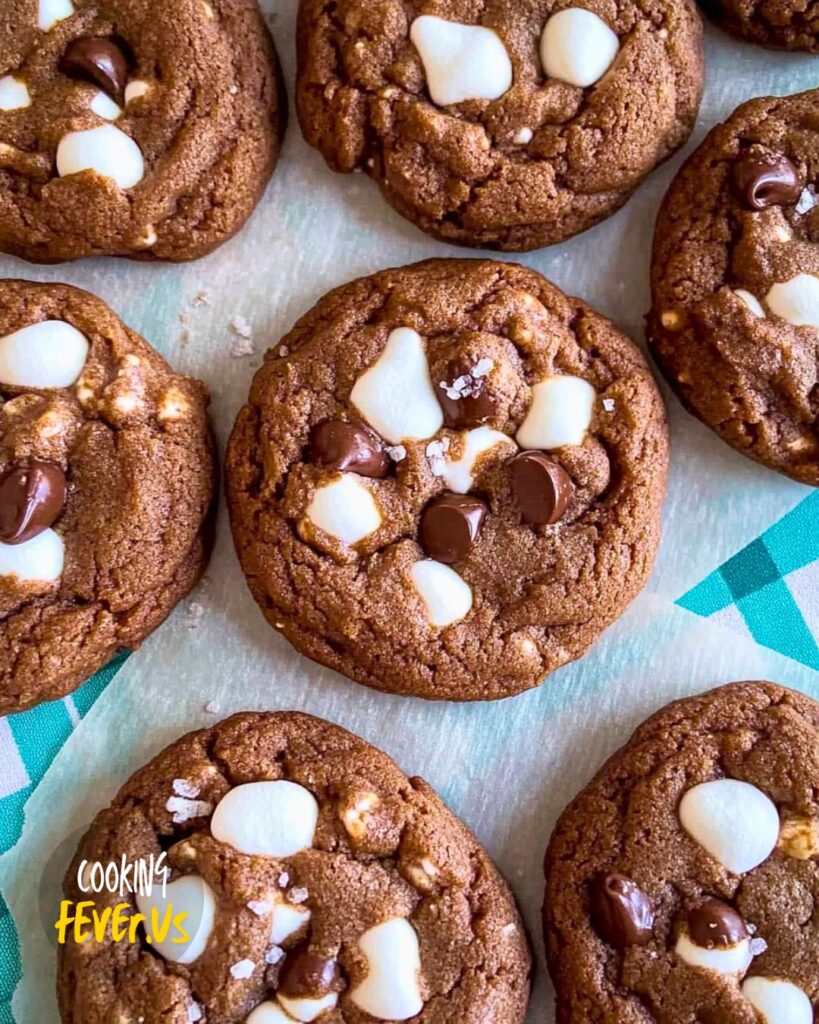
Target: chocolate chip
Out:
[305,975]
[763,179]
[32,495]
[99,61]
[449,526]
[541,488]
[622,913]
[346,447]
[464,395]
[713,924]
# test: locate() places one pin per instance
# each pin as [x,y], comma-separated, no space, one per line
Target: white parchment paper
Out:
[507,768]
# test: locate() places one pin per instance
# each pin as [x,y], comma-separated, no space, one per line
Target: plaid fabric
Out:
[770,589]
[29,742]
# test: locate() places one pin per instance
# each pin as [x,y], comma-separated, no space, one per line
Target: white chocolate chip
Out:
[48,354]
[106,150]
[242,970]
[459,473]
[306,1009]
[49,12]
[269,1013]
[734,959]
[39,560]
[269,819]
[559,415]
[14,94]
[136,90]
[395,395]
[751,301]
[799,837]
[462,62]
[357,818]
[796,301]
[523,137]
[103,106]
[345,509]
[447,597]
[577,47]
[391,988]
[287,920]
[778,1001]
[190,895]
[733,820]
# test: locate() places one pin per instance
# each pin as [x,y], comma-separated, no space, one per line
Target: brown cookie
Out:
[448,570]
[735,283]
[320,882]
[107,476]
[780,24]
[682,881]
[499,125]
[132,128]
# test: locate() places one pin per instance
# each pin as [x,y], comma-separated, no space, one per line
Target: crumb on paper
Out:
[212,707]
[201,299]
[195,613]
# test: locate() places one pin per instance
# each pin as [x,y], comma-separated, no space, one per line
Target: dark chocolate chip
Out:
[766,179]
[32,495]
[465,399]
[349,448]
[542,488]
[99,61]
[622,913]
[713,924]
[305,975]
[449,526]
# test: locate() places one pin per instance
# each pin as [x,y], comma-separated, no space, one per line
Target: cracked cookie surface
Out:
[107,476]
[682,883]
[348,848]
[131,128]
[734,322]
[451,483]
[499,125]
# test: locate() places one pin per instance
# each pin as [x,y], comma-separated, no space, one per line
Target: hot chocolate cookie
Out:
[499,125]
[734,322]
[106,480]
[682,882]
[319,882]
[783,24]
[452,481]
[133,128]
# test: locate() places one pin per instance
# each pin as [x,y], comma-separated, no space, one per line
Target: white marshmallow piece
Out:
[49,12]
[577,47]
[49,354]
[721,959]
[135,90]
[14,94]
[447,597]
[103,106]
[345,509]
[751,301]
[462,62]
[39,560]
[268,819]
[734,821]
[458,474]
[778,1001]
[288,918]
[269,1013]
[106,150]
[560,413]
[391,990]
[190,895]
[306,1009]
[395,395]
[796,301]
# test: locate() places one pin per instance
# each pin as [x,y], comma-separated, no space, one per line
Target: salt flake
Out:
[243,969]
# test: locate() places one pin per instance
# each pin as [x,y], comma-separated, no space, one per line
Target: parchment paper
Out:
[507,768]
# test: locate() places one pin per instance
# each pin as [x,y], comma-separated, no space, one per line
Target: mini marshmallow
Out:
[269,819]
[447,597]
[751,301]
[395,395]
[734,959]
[306,1009]
[190,895]
[560,413]
[106,150]
[577,47]
[269,1013]
[462,62]
[345,509]
[135,90]
[287,920]
[48,354]
[39,560]
[49,12]
[778,1001]
[458,474]
[734,821]
[391,990]
[103,106]
[796,301]
[14,94]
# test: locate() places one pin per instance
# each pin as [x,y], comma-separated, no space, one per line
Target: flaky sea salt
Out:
[397,452]
[274,955]
[243,969]
[807,200]
[184,810]
[284,879]
[298,894]
[608,404]
[260,907]
[194,1013]
[757,947]
[184,788]
[436,452]
[212,707]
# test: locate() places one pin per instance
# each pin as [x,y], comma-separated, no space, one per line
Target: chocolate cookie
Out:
[682,882]
[735,283]
[452,482]
[106,480]
[133,128]
[500,125]
[320,882]
[781,24]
